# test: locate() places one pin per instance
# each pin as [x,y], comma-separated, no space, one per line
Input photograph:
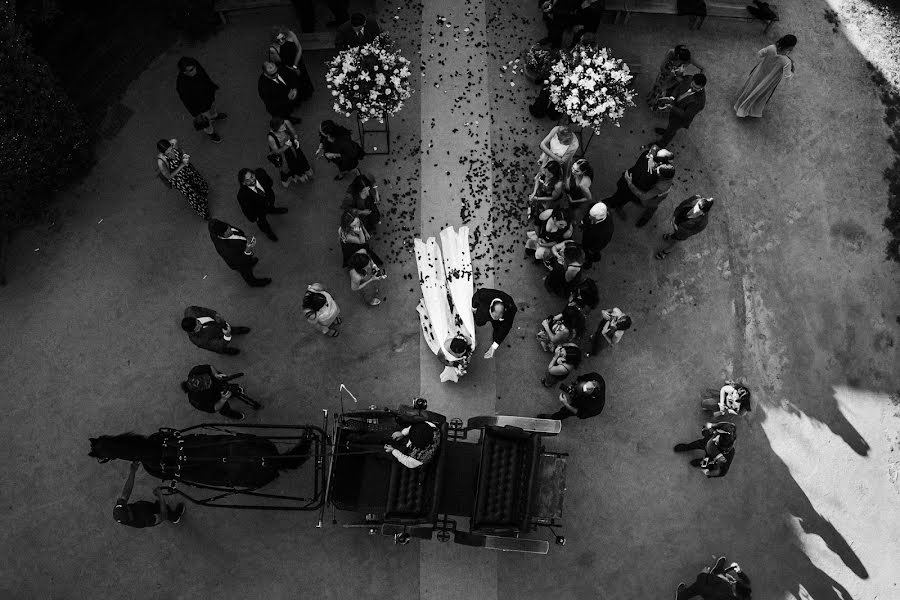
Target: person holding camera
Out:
[566,359]
[585,398]
[208,390]
[720,582]
[365,273]
[646,183]
[612,326]
[717,442]
[732,399]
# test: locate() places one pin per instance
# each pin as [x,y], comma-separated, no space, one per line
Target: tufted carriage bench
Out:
[509,458]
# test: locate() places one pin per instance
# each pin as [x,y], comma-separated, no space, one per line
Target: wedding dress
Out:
[445,310]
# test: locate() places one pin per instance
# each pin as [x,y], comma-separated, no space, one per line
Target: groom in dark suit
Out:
[358,31]
[258,200]
[495,307]
[685,100]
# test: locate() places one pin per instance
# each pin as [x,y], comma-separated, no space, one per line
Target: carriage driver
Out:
[414,445]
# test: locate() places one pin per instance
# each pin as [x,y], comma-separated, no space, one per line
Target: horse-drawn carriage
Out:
[489,483]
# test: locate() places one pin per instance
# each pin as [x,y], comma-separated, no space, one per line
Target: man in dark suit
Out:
[596,233]
[358,31]
[208,330]
[497,307]
[258,200]
[277,86]
[236,249]
[685,100]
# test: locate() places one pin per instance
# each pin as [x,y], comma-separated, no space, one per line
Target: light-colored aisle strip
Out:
[456,186]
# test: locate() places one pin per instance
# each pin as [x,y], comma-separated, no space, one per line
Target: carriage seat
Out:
[505,476]
[413,494]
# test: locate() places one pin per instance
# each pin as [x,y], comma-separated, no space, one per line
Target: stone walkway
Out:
[786,289]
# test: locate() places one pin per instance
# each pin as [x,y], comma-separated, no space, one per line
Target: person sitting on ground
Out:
[565,359]
[321,310]
[585,398]
[612,326]
[559,329]
[720,582]
[733,399]
[718,443]
[143,513]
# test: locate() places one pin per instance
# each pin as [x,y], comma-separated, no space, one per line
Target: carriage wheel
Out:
[443,535]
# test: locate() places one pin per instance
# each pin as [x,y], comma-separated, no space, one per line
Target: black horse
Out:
[236,461]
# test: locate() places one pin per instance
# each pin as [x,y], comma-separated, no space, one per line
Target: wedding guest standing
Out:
[286,50]
[684,102]
[337,146]
[353,236]
[321,311]
[553,227]
[175,166]
[499,309]
[236,249]
[773,67]
[549,189]
[671,72]
[278,88]
[285,152]
[612,326]
[584,399]
[596,233]
[257,199]
[207,329]
[358,31]
[364,277]
[361,200]
[646,183]
[559,145]
[690,218]
[566,359]
[198,93]
[578,186]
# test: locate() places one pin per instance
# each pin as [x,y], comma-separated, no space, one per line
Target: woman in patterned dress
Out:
[670,73]
[283,142]
[174,165]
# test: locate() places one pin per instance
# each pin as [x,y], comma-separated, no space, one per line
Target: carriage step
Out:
[501,543]
[529,424]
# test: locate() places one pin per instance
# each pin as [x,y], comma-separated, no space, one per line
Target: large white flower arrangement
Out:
[370,80]
[591,86]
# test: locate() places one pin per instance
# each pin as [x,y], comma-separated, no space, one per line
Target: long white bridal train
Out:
[445,310]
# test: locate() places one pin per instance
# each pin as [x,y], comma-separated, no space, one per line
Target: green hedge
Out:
[44,143]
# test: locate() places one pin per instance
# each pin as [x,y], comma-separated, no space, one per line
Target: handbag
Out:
[275,158]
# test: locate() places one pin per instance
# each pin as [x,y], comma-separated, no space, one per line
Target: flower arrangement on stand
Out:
[591,87]
[371,80]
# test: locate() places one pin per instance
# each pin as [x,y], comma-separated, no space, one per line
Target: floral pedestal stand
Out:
[368,129]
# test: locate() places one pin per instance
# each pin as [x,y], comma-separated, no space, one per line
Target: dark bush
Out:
[44,143]
[195,18]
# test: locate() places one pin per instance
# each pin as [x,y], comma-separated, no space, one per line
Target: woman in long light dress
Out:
[774,65]
[445,275]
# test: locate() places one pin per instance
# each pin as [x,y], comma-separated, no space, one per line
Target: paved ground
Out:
[787,289]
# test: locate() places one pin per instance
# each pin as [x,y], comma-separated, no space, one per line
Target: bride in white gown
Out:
[445,310]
